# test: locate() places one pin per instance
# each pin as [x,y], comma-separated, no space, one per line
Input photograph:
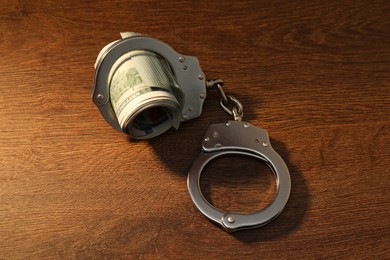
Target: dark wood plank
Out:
[315,74]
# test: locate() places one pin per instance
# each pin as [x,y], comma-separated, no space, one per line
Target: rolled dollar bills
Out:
[144,94]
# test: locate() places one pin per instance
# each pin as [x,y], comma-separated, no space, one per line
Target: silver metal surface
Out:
[186,70]
[239,138]
[237,111]
[222,93]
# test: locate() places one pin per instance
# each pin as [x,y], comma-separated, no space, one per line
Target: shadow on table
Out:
[294,212]
[177,150]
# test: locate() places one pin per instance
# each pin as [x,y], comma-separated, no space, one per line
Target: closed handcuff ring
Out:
[239,138]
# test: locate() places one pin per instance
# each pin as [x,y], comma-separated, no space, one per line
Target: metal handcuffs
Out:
[230,138]
[238,138]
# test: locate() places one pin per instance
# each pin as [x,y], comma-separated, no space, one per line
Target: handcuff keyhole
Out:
[234,183]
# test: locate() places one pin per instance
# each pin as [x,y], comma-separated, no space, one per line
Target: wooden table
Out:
[315,74]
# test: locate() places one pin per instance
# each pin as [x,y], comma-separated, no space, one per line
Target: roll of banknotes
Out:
[144,94]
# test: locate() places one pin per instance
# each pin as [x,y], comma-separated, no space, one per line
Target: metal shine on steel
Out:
[239,138]
[189,81]
[229,138]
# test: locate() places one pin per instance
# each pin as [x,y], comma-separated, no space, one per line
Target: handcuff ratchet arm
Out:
[239,138]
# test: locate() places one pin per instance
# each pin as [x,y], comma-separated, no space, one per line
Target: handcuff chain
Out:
[237,110]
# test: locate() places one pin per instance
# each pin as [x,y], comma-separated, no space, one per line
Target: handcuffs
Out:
[233,137]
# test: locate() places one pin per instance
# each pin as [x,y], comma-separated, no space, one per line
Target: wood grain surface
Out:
[315,74]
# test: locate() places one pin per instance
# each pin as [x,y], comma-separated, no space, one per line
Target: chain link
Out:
[237,110]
